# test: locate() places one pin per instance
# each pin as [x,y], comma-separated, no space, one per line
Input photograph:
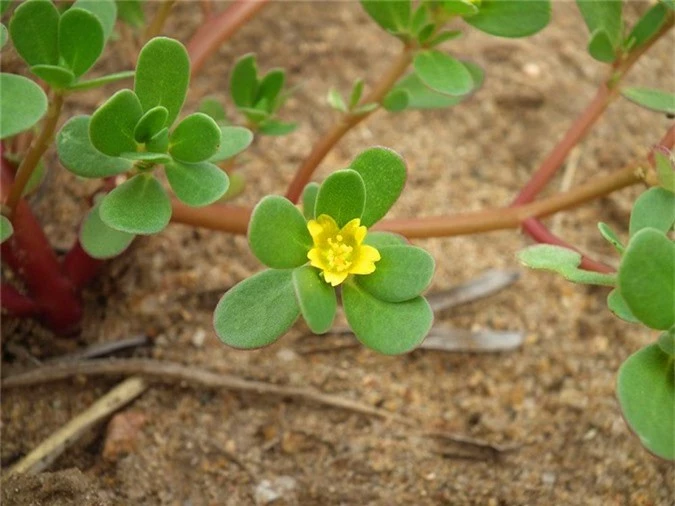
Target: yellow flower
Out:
[340,252]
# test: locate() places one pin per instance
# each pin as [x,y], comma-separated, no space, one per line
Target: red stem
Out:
[79,267]
[211,34]
[16,303]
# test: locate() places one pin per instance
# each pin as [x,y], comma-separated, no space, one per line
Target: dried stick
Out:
[47,451]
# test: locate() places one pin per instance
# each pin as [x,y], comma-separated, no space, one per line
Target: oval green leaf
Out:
[647,278]
[257,311]
[81,40]
[22,104]
[99,240]
[197,184]
[34,28]
[565,262]
[655,208]
[392,15]
[309,200]
[233,140]
[647,26]
[618,306]
[342,196]
[6,229]
[443,73]
[278,234]
[150,124]
[55,76]
[383,172]
[244,81]
[600,47]
[511,18]
[147,156]
[402,273]
[386,327]
[80,157]
[603,15]
[162,76]
[111,128]
[138,206]
[317,300]
[104,10]
[646,392]
[381,239]
[195,139]
[656,100]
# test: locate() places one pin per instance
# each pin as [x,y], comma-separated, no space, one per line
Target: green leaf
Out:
[647,278]
[4,35]
[34,28]
[356,94]
[213,108]
[402,273]
[104,10]
[138,206]
[101,241]
[162,76]
[459,7]
[270,87]
[342,196]
[656,100]
[396,100]
[444,37]
[511,18]
[647,26]
[309,200]
[147,156]
[384,173]
[420,96]
[244,81]
[386,327]
[274,127]
[443,73]
[111,128]
[22,104]
[197,184]
[316,298]
[150,124]
[392,15]
[6,229]
[80,40]
[605,15]
[665,170]
[655,208]
[233,140]
[382,239]
[36,178]
[257,311]
[81,158]
[565,262]
[669,3]
[101,81]
[278,234]
[131,12]
[600,46]
[336,101]
[160,142]
[4,5]
[610,236]
[646,392]
[617,305]
[667,342]
[195,139]
[254,115]
[57,77]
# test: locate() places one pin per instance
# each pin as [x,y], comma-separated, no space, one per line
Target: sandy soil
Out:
[552,401]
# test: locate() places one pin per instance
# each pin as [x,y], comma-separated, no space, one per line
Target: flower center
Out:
[338,254]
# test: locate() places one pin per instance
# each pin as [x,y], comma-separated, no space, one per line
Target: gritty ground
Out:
[551,401]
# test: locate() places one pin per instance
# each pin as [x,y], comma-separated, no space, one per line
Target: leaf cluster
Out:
[385,309]
[643,293]
[133,132]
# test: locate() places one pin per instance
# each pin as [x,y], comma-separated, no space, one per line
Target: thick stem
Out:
[346,123]
[79,267]
[223,217]
[210,35]
[606,93]
[34,154]
[16,303]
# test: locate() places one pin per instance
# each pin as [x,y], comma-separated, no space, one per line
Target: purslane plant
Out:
[643,293]
[328,245]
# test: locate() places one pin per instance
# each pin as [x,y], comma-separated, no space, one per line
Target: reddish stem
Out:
[79,267]
[211,34]
[16,303]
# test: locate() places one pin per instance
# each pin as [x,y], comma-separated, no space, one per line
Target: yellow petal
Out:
[314,228]
[364,263]
[334,278]
[316,259]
